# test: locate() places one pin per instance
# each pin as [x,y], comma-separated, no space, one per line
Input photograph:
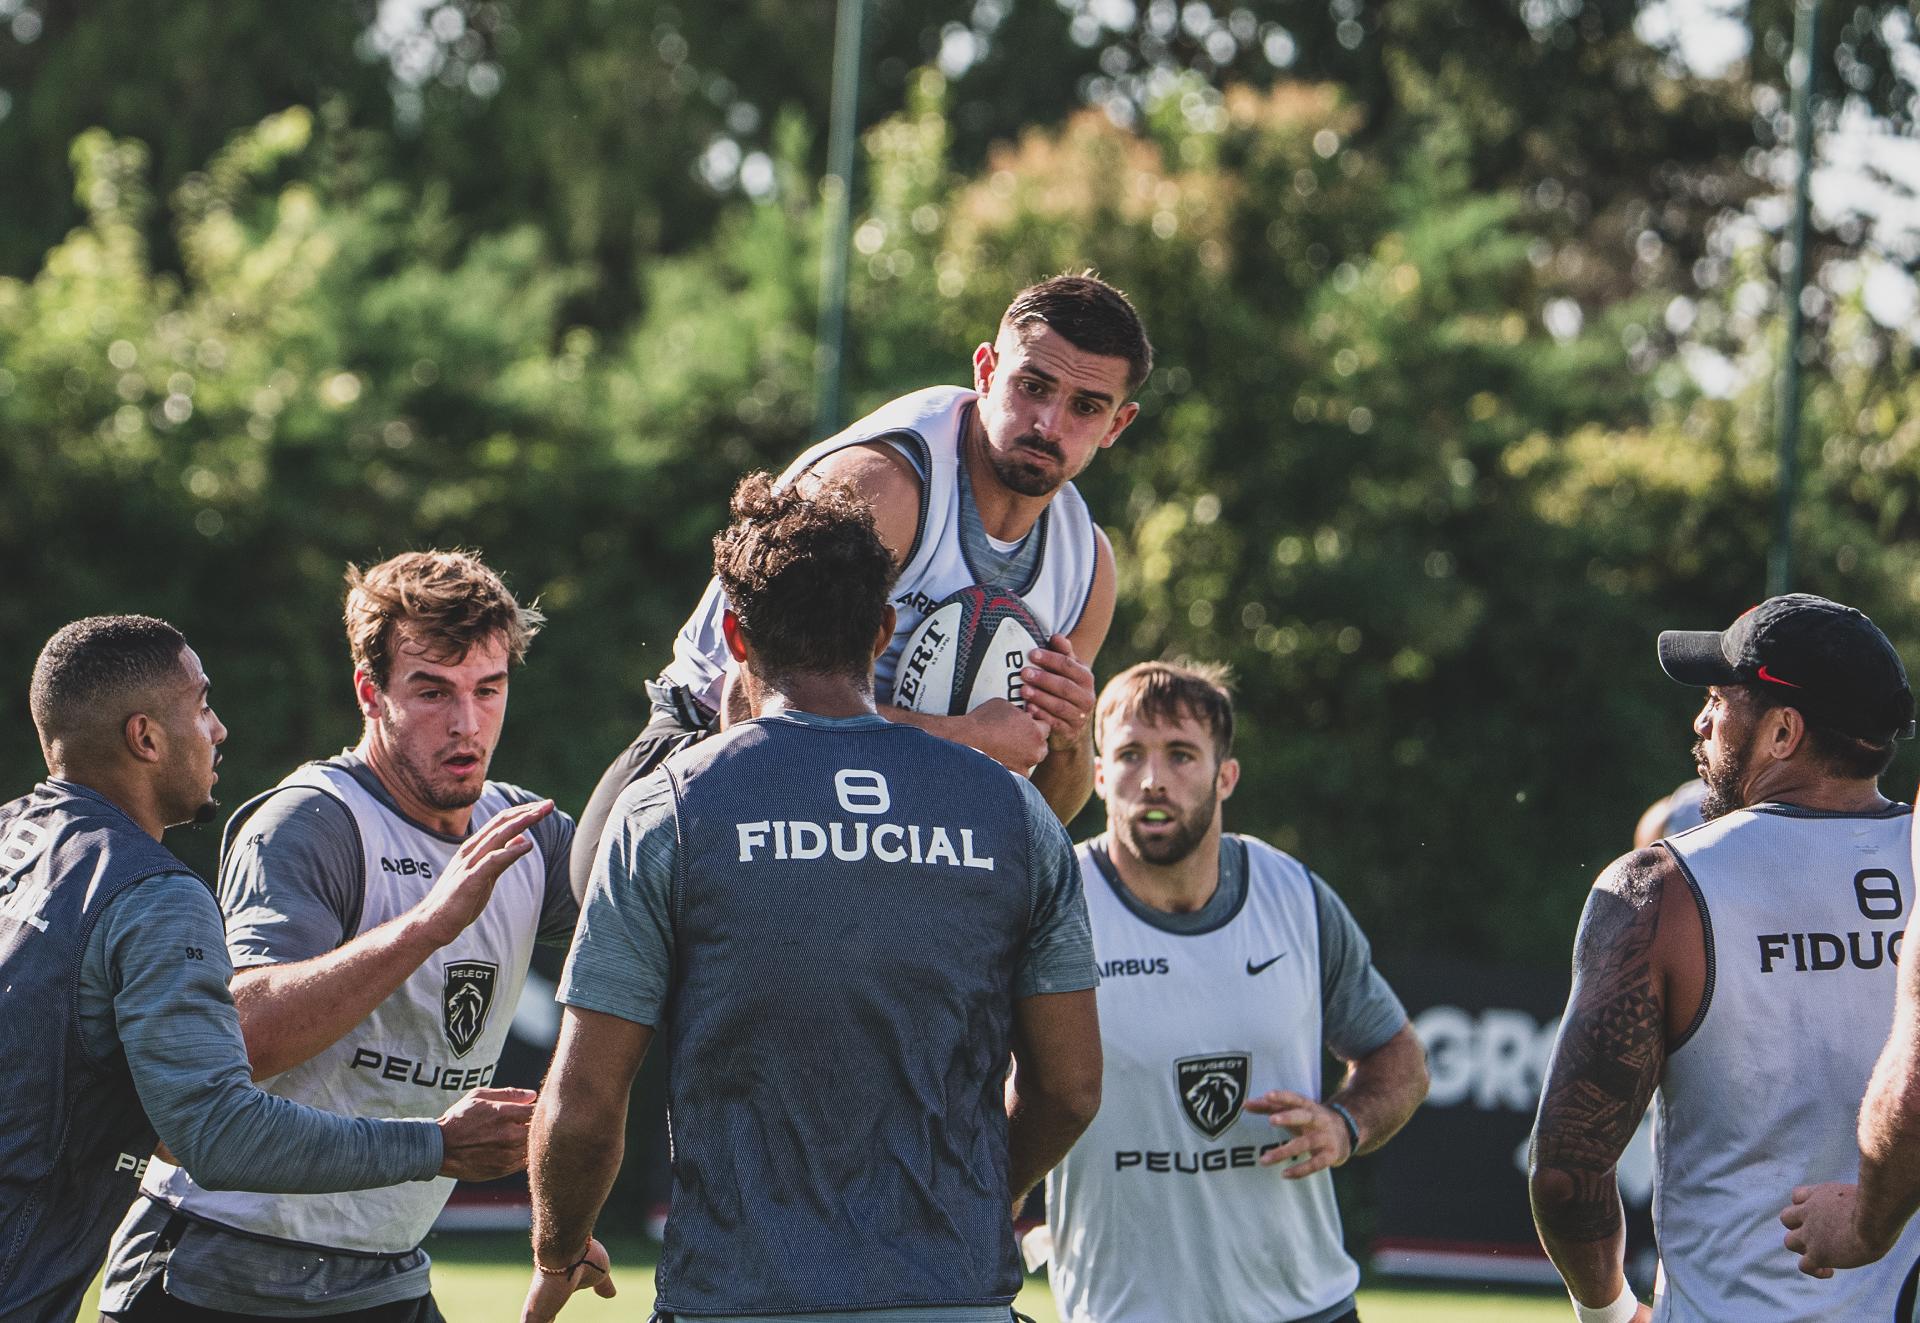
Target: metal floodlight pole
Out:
[837,190]
[1780,561]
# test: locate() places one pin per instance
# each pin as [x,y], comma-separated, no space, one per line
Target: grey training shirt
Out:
[622,958]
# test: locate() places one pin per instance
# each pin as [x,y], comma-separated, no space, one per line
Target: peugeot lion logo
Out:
[1212,1089]
[467,999]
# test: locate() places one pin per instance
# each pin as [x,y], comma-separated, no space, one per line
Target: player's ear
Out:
[366,694]
[1124,415]
[145,739]
[888,619]
[1786,731]
[736,641]
[1227,778]
[1099,776]
[984,362]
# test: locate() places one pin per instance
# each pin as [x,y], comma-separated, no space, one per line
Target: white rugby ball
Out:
[968,649]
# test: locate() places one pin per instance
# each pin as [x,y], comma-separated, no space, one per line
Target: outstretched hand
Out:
[1320,1138]
[460,894]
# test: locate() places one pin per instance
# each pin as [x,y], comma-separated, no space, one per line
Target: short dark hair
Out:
[1162,691]
[1091,315]
[91,662]
[1845,756]
[450,597]
[806,576]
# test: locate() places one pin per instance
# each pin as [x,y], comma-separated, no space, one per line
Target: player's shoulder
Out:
[1641,878]
[1268,866]
[510,795]
[304,804]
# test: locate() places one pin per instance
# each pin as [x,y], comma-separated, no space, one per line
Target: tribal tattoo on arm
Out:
[1606,1064]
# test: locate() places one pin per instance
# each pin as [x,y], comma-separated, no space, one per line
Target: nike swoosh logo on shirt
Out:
[1255,969]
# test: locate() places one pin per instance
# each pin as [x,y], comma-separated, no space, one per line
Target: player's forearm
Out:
[1384,1088]
[575,1153]
[1583,1230]
[1065,778]
[1041,1127]
[1890,1142]
[292,1012]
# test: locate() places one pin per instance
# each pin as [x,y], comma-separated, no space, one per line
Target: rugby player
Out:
[118,1028]
[967,486]
[842,927]
[379,959]
[1745,971]
[1228,970]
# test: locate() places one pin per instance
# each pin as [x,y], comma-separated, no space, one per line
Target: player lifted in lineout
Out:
[382,906]
[841,928]
[967,487]
[1228,972]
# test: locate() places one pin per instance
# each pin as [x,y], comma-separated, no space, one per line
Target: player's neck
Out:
[1802,787]
[1004,513]
[129,794]
[820,695]
[380,761]
[1182,887]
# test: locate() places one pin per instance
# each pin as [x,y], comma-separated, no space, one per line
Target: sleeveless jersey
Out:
[437,1036]
[929,426]
[73,1135]
[1803,914]
[1160,1210]
[849,914]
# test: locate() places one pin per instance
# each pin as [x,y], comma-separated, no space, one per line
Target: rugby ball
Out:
[968,649]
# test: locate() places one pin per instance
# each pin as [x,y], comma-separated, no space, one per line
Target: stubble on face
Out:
[418,770]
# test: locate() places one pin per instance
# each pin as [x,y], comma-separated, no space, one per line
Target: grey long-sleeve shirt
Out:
[153,988]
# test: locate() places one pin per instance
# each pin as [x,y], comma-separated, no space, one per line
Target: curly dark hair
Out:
[1091,315]
[807,576]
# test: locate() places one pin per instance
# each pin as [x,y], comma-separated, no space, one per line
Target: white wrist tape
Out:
[1620,1311]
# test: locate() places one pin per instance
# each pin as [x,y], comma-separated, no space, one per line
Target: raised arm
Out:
[1060,691]
[292,1011]
[1606,1063]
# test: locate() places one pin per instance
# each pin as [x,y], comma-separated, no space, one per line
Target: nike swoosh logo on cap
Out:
[1771,678]
[1255,969]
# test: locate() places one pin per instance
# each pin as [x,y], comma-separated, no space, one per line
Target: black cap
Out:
[1826,659]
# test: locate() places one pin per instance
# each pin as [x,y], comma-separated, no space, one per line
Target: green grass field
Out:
[482,1278]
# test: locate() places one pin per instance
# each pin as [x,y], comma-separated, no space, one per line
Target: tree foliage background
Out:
[1466,314]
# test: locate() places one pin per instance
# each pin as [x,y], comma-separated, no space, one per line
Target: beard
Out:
[206,813]
[421,783]
[1013,469]
[1189,829]
[1724,794]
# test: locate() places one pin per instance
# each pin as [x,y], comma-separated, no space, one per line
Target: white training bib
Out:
[929,426]
[1802,912]
[437,1036]
[1161,1211]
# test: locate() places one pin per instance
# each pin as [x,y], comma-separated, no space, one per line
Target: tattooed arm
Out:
[1639,939]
